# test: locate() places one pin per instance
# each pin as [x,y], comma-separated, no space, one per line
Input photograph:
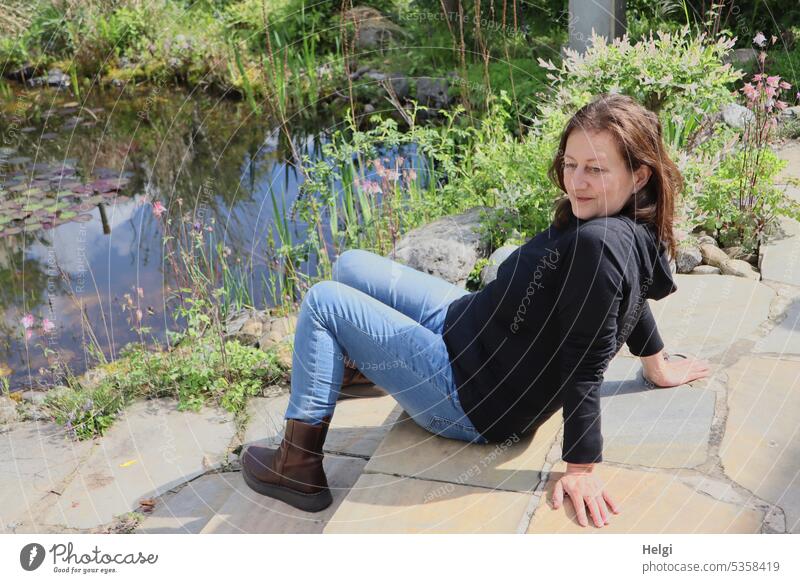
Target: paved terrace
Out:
[720,455]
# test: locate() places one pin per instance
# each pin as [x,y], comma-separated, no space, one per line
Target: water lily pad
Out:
[34,206]
[32,191]
[12,231]
[83,218]
[68,215]
[97,199]
[34,226]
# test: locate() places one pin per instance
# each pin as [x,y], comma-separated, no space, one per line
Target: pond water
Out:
[79,183]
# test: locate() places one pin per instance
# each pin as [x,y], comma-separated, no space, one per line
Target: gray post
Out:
[606,16]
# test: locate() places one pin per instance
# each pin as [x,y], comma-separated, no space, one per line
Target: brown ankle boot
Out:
[293,473]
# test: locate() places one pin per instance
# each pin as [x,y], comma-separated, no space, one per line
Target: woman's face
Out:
[596,176]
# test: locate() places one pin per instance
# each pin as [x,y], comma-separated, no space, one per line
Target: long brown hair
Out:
[637,132]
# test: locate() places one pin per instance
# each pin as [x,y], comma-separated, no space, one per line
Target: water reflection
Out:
[206,157]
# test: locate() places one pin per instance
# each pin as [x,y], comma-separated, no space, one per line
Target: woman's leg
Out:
[396,352]
[420,296]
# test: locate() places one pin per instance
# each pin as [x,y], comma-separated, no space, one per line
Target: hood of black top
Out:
[655,274]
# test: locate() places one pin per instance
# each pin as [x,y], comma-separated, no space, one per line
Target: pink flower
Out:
[773,80]
[28,334]
[760,39]
[138,315]
[780,105]
[28,321]
[140,291]
[158,208]
[47,325]
[785,85]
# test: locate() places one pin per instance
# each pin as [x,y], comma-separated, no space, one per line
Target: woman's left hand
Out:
[672,373]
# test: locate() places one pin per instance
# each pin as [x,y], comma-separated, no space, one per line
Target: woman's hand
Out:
[672,373]
[585,489]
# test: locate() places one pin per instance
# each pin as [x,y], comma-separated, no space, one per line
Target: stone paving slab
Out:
[189,510]
[651,426]
[36,459]
[651,502]
[784,338]
[379,503]
[780,252]
[761,446]
[246,511]
[708,313]
[357,427]
[410,450]
[150,449]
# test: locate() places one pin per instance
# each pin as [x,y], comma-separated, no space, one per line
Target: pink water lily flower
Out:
[28,321]
[158,208]
[47,325]
[760,39]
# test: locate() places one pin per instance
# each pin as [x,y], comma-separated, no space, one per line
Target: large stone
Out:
[409,450]
[379,503]
[248,512]
[737,116]
[447,248]
[151,449]
[687,258]
[760,449]
[656,427]
[739,268]
[784,338]
[433,92]
[780,261]
[706,270]
[36,462]
[372,29]
[8,410]
[650,502]
[708,313]
[489,272]
[713,255]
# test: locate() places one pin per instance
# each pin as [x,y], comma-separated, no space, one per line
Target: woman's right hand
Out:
[585,489]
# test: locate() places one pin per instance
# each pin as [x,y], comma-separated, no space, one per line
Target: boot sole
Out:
[301,500]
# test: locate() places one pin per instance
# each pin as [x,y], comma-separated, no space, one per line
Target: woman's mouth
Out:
[583,198]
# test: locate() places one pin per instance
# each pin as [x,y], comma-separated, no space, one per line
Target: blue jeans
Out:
[387,318]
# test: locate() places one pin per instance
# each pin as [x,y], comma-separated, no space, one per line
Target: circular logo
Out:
[31,556]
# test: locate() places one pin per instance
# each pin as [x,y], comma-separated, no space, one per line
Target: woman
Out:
[485,366]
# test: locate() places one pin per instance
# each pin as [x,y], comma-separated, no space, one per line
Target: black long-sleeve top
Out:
[540,336]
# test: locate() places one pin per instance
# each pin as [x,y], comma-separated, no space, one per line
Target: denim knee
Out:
[320,294]
[347,260]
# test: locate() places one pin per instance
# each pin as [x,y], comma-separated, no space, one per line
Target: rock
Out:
[368,108]
[713,255]
[448,247]
[706,270]
[400,85]
[278,330]
[433,92]
[793,112]
[733,252]
[489,272]
[8,410]
[741,58]
[21,74]
[246,326]
[739,268]
[687,258]
[372,29]
[36,397]
[707,240]
[736,115]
